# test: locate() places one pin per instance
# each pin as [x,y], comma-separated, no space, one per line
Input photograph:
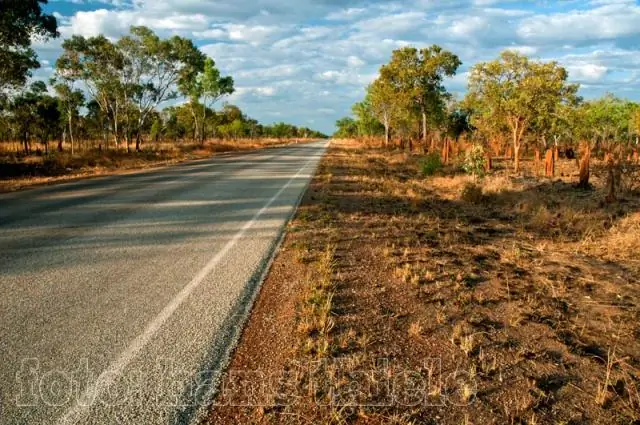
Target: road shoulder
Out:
[397,299]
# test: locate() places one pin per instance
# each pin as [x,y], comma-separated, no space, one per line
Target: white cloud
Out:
[302,60]
[587,72]
[608,22]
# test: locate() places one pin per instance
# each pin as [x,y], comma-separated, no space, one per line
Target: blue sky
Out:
[307,61]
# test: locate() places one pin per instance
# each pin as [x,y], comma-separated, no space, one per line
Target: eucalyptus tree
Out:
[131,77]
[34,113]
[346,128]
[366,120]
[516,92]
[20,22]
[384,104]
[99,65]
[71,100]
[204,89]
[154,68]
[417,76]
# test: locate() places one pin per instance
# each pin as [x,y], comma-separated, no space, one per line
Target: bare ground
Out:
[397,300]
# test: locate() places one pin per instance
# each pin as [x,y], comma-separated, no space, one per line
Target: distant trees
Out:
[517,93]
[511,101]
[105,89]
[131,77]
[229,123]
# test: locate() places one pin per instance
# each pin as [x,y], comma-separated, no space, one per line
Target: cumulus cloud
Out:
[307,61]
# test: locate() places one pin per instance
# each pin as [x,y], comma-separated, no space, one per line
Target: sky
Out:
[307,61]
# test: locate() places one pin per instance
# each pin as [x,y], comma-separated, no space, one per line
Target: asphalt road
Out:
[122,296]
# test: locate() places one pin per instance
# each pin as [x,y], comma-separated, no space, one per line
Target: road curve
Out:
[122,296]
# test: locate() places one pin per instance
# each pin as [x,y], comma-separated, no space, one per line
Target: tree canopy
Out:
[518,93]
[21,20]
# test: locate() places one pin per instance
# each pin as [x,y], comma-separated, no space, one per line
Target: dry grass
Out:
[18,171]
[519,306]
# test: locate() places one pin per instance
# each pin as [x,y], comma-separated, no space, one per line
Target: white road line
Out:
[114,371]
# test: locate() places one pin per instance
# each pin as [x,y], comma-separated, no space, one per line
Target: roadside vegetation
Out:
[456,262]
[448,299]
[110,104]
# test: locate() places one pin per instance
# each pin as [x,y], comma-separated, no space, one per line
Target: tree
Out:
[606,121]
[416,77]
[99,64]
[34,113]
[20,21]
[383,104]
[152,69]
[346,128]
[209,87]
[71,100]
[366,121]
[515,92]
[129,79]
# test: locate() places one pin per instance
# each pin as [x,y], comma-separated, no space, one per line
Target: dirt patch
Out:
[396,299]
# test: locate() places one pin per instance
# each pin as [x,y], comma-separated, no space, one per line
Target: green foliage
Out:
[207,87]
[516,94]
[156,129]
[606,121]
[416,78]
[129,78]
[366,122]
[474,161]
[19,22]
[431,164]
[409,89]
[346,128]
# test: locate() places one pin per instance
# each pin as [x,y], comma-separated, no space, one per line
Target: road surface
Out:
[122,296]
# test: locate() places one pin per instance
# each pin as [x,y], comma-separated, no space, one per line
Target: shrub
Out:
[431,164]
[474,161]
[471,193]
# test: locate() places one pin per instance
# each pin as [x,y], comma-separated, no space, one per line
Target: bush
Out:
[474,161]
[472,193]
[431,164]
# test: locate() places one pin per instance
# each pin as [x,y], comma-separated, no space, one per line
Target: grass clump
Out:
[431,164]
[471,193]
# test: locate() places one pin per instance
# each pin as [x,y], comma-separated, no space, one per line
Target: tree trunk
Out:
[556,153]
[138,141]
[62,140]
[488,164]
[584,169]
[612,177]
[204,116]
[549,163]
[424,128]
[536,161]
[71,134]
[446,150]
[516,156]
[386,134]
[636,157]
[25,141]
